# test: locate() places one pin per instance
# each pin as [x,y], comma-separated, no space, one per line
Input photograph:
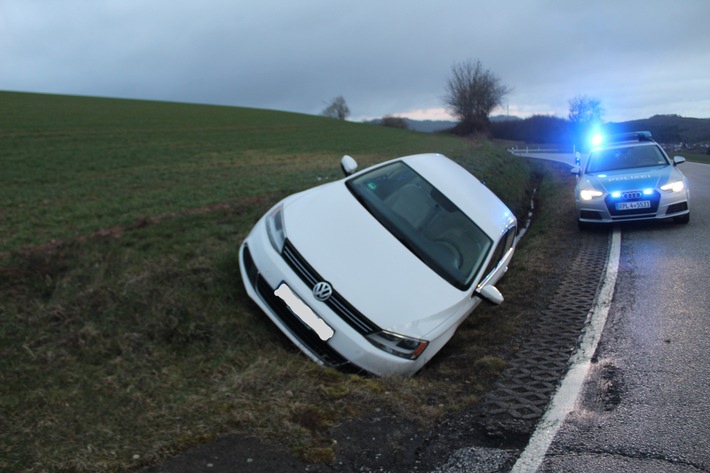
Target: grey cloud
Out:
[639,57]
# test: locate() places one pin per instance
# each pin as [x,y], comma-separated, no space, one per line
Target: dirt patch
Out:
[607,387]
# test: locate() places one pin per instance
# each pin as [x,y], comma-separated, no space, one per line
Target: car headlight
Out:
[675,186]
[589,194]
[275,228]
[398,345]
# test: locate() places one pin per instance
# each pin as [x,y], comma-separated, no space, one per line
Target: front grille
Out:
[636,195]
[322,350]
[307,336]
[336,302]
[633,196]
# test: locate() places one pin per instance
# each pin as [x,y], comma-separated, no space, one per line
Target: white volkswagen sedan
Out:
[376,271]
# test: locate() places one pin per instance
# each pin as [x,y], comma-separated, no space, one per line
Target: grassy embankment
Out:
[125,333]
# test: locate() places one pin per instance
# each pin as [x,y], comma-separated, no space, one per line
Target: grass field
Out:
[125,333]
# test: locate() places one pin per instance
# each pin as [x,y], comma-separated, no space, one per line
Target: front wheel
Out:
[682,219]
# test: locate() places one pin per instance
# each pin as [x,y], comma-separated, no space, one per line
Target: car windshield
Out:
[424,220]
[614,159]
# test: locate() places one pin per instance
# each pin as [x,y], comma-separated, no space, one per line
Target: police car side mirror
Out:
[575,170]
[678,160]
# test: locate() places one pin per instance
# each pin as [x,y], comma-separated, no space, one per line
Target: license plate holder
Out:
[641,204]
[305,314]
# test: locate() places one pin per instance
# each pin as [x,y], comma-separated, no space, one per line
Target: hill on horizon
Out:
[669,128]
[664,128]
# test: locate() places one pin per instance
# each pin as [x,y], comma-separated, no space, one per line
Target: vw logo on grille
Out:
[322,291]
[631,195]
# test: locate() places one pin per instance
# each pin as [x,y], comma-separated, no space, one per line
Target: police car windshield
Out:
[629,157]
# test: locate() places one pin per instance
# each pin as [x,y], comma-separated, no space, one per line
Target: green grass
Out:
[125,331]
[74,165]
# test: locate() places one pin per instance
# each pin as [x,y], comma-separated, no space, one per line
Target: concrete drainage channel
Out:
[511,410]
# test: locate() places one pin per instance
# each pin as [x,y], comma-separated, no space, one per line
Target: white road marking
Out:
[568,392]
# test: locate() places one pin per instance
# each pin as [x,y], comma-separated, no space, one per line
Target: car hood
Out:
[366,264]
[631,179]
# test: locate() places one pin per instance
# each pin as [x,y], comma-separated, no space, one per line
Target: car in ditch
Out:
[376,271]
[630,177]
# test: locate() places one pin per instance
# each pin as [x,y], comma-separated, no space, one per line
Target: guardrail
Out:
[534,149]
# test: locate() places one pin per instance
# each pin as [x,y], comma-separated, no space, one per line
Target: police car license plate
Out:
[642,204]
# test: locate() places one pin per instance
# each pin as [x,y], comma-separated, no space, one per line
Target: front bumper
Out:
[662,205]
[264,270]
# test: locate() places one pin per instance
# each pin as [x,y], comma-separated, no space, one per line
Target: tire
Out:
[682,219]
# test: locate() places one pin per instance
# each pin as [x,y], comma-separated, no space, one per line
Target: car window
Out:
[424,220]
[625,158]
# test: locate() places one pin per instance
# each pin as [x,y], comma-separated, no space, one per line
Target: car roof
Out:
[625,144]
[626,140]
[464,190]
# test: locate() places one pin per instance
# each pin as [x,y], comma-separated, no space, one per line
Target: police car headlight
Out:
[676,186]
[589,194]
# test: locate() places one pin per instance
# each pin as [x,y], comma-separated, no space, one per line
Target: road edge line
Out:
[565,398]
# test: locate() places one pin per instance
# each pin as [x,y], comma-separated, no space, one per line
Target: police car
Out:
[630,177]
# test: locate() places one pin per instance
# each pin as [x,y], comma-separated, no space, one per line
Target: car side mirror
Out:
[486,290]
[490,294]
[678,160]
[348,165]
[575,170]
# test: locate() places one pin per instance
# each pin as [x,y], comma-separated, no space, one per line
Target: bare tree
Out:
[337,108]
[472,94]
[584,114]
[585,111]
[394,122]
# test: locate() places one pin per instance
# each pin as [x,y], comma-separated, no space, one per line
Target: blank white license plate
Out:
[303,312]
[641,204]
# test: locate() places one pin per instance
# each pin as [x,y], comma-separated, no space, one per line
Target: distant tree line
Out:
[545,129]
[585,114]
[536,129]
[394,122]
[473,92]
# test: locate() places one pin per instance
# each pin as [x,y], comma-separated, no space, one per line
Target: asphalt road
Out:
[645,404]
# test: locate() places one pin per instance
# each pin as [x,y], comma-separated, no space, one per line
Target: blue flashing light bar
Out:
[631,136]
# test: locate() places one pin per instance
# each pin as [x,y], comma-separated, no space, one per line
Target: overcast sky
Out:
[385,57]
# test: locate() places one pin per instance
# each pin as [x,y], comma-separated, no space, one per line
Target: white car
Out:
[376,271]
[631,178]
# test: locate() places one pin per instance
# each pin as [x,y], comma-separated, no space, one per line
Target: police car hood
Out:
[366,264]
[632,179]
